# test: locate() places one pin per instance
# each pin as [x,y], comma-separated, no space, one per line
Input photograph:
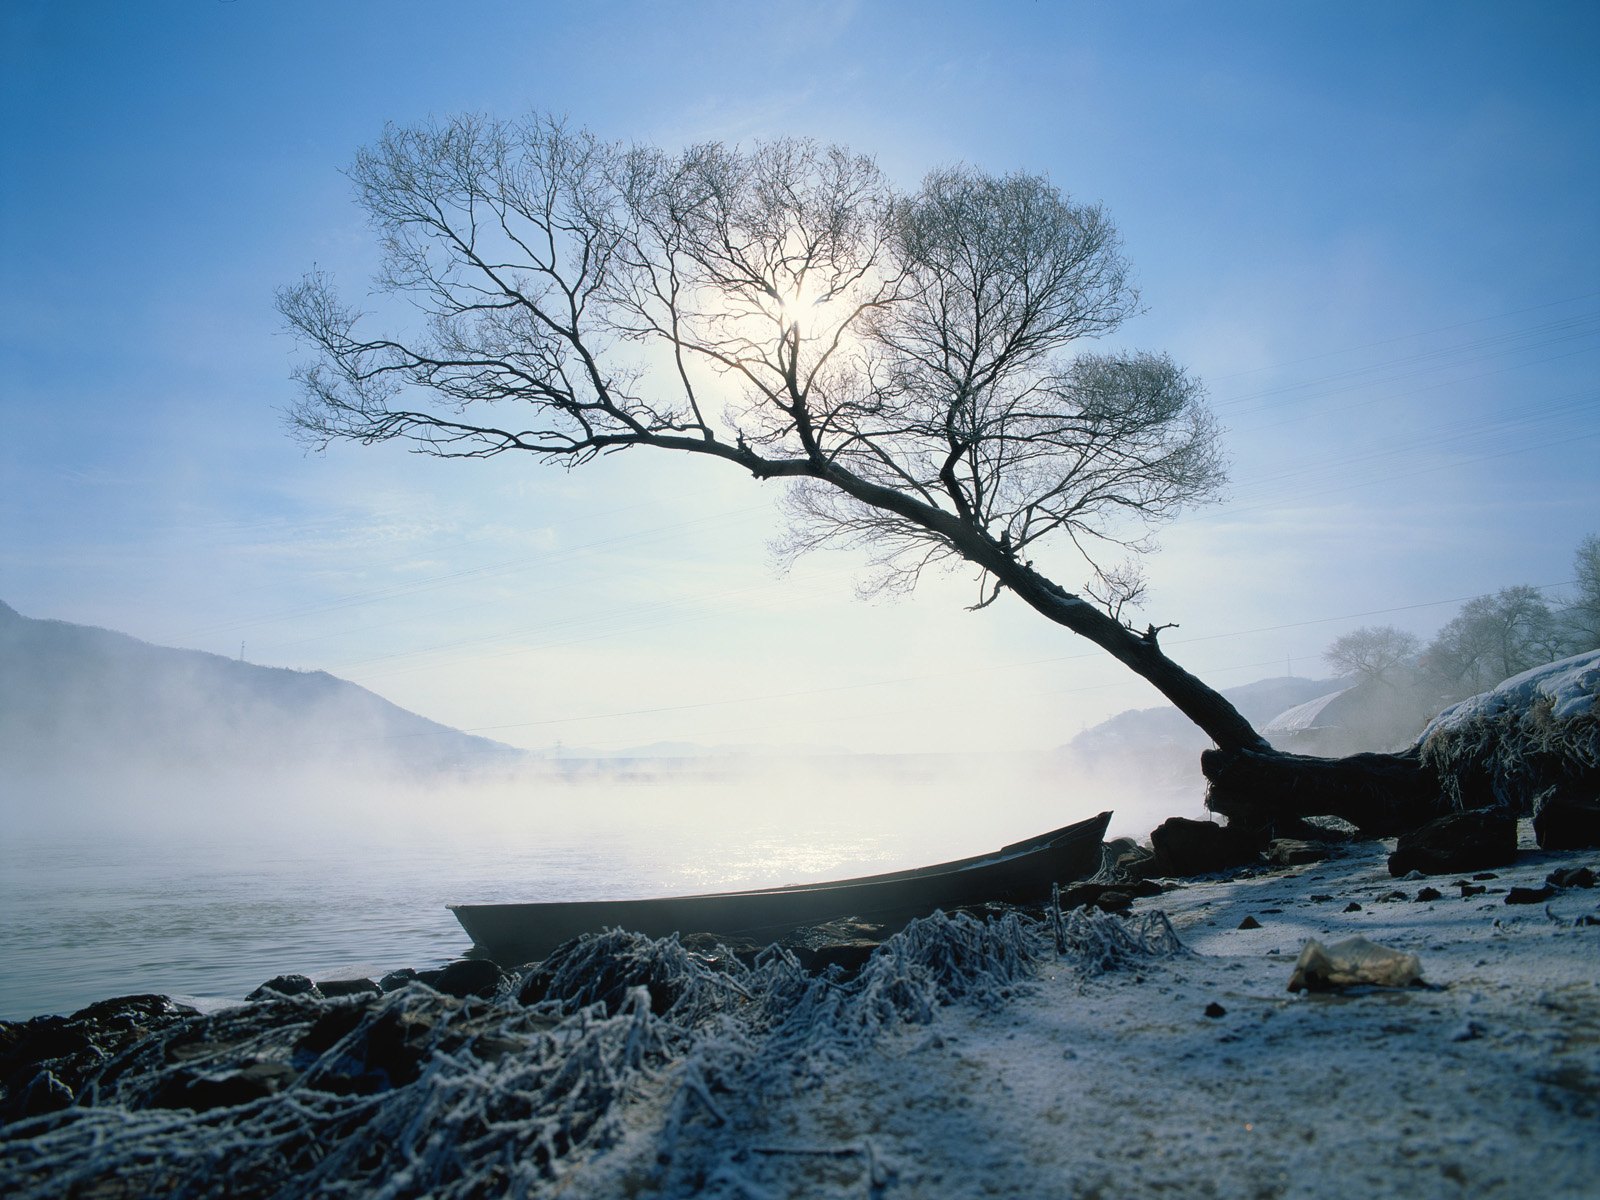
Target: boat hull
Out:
[1020,874]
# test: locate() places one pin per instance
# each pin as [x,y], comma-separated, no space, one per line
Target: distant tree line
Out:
[1492,638]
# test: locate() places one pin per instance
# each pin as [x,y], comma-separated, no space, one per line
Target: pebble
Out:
[1568,877]
[1525,895]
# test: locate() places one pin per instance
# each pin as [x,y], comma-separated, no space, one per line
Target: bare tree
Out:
[1583,615]
[1493,638]
[1373,651]
[905,360]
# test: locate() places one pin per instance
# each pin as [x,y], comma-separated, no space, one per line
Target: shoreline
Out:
[1139,1071]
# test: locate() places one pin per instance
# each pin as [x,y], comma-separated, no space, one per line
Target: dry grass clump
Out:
[1512,758]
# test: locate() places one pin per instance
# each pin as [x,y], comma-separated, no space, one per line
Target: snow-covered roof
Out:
[1572,683]
[1302,716]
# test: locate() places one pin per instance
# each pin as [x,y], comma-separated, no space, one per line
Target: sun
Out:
[802,306]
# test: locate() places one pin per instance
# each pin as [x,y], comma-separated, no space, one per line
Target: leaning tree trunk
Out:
[1268,792]
[1259,788]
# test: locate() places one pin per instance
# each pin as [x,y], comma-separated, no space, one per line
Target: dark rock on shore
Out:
[1108,897]
[45,1062]
[1527,895]
[201,1092]
[1571,877]
[1294,852]
[1465,841]
[466,977]
[1188,847]
[1566,816]
[844,959]
[286,985]
[348,987]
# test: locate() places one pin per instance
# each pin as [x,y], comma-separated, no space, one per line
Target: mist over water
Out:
[210,883]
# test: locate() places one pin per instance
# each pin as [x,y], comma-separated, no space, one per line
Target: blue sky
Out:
[1373,229]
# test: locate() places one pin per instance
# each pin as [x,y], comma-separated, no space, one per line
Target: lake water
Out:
[211,906]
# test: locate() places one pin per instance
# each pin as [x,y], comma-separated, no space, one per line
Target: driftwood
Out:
[1269,793]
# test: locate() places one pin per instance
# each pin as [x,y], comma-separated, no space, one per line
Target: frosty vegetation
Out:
[1535,733]
[418,1094]
[1398,682]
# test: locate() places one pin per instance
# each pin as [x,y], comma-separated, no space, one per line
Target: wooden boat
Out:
[1019,873]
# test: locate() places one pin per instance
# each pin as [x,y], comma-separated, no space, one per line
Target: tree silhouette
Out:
[907,361]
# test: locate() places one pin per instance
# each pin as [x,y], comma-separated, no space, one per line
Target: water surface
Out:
[213,907]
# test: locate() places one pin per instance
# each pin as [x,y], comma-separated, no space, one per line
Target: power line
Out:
[1406,337]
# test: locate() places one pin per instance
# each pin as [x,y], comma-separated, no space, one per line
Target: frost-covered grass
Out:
[967,1058]
[639,1056]
[1537,731]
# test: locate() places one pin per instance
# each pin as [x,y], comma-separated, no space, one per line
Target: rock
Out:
[1293,852]
[1352,907]
[1325,829]
[1139,863]
[348,987]
[1571,877]
[1215,1010]
[1352,962]
[1106,897]
[1464,841]
[465,977]
[202,1093]
[395,980]
[44,1094]
[286,985]
[1524,895]
[846,957]
[1566,816]
[398,1045]
[1249,923]
[45,1062]
[1394,897]
[1126,860]
[1188,847]
[1469,890]
[1429,893]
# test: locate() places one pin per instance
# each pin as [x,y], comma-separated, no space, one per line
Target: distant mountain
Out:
[1156,751]
[1149,728]
[77,700]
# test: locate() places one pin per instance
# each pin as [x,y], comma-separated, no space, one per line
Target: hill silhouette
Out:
[76,699]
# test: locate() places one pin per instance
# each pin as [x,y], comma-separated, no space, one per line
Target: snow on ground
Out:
[1082,1057]
[1486,1083]
[1571,685]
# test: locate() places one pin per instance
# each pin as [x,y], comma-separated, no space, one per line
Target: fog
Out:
[103,736]
[699,822]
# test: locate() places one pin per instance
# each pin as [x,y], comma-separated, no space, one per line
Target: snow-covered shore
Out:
[1484,1083]
[966,1060]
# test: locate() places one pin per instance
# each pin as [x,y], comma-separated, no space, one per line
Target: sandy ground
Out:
[1486,1082]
